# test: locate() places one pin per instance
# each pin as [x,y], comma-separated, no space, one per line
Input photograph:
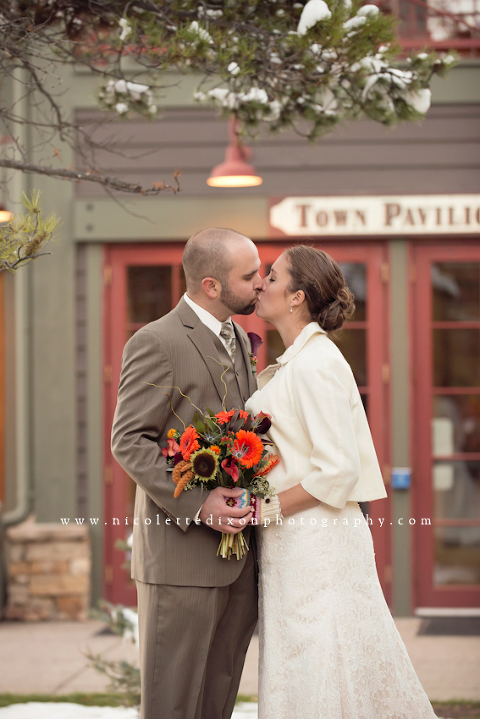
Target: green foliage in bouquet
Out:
[224,449]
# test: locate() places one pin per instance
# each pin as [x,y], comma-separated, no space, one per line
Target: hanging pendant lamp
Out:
[5,215]
[235,170]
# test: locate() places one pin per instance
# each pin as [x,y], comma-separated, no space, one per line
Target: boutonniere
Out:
[255,342]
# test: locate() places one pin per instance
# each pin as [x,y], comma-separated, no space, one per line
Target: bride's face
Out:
[274,301]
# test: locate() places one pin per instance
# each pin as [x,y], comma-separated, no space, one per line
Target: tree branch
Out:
[4,265]
[77,176]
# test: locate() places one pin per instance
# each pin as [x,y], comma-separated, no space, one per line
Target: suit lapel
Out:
[245,345]
[203,339]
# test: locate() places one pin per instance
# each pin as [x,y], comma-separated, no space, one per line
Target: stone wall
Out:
[48,571]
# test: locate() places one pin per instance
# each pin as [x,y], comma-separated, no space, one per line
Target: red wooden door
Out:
[446,437]
[146,281]
[364,343]
[142,283]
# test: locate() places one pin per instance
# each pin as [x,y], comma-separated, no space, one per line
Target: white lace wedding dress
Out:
[329,648]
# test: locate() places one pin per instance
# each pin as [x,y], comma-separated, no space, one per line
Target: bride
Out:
[329,648]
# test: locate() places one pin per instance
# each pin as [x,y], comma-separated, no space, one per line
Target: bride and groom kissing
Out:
[329,648]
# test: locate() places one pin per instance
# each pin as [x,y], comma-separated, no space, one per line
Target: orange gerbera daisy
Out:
[188,443]
[247,448]
[243,414]
[225,417]
[272,461]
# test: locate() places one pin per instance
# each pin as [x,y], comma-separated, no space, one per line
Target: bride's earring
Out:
[291,307]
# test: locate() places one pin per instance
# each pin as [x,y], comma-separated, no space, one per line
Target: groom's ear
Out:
[211,287]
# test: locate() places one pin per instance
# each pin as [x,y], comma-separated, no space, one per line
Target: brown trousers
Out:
[193,642]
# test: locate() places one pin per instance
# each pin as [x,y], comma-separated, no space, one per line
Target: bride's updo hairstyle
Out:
[328,298]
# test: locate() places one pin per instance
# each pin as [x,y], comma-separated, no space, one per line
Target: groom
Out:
[197,611]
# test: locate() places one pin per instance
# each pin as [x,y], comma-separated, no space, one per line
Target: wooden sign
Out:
[388,215]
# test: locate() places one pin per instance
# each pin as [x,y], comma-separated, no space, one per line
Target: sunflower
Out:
[204,464]
[247,448]
[188,443]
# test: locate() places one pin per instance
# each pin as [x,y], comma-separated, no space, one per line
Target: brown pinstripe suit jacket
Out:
[177,350]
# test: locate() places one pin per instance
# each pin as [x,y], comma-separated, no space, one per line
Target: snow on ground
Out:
[64,710]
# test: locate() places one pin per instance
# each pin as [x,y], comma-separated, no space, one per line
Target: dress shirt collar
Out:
[204,316]
[308,331]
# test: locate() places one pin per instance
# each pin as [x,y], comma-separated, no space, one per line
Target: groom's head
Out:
[222,272]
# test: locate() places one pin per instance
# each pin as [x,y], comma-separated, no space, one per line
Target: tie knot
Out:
[228,334]
[227,331]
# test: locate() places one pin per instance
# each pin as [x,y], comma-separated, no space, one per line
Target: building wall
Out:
[441,155]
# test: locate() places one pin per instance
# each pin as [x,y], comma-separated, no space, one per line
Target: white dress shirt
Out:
[319,423]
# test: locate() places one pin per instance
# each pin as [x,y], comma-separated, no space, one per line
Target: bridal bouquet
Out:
[223,450]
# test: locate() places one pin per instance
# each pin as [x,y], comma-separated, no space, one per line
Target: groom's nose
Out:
[260,284]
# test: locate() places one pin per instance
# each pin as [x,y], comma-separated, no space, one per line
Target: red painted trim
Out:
[2,394]
[418,43]
[456,390]
[119,257]
[373,253]
[425,593]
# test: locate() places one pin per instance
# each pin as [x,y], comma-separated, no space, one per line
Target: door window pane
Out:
[352,344]
[456,291]
[456,489]
[355,274]
[456,358]
[457,555]
[275,346]
[149,293]
[455,424]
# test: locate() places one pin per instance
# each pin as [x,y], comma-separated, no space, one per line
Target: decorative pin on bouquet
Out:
[223,450]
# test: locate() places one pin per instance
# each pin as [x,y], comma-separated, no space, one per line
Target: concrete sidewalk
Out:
[47,658]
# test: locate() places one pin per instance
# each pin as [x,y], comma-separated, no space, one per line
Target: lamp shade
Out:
[235,170]
[5,215]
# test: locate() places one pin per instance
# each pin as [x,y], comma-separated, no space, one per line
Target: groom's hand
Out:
[216,513]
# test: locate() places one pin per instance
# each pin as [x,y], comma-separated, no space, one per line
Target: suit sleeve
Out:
[141,416]
[322,403]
